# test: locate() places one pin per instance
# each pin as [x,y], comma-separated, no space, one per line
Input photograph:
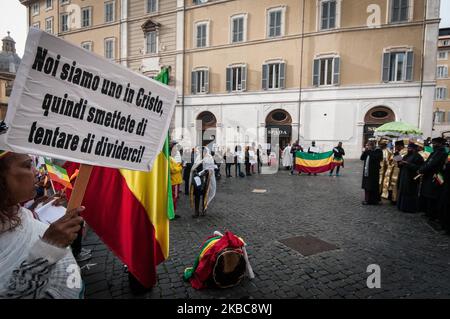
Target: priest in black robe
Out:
[371,173]
[444,214]
[432,171]
[408,183]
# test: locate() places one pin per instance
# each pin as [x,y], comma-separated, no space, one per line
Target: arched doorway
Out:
[374,118]
[282,120]
[209,128]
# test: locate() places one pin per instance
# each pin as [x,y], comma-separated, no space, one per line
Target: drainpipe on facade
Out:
[182,80]
[422,64]
[301,72]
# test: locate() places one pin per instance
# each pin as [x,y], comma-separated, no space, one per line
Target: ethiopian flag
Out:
[130,211]
[58,174]
[316,162]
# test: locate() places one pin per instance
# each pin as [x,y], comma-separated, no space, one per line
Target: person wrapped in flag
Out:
[338,158]
[202,182]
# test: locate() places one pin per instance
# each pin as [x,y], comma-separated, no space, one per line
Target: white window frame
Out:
[445,55]
[113,2]
[404,50]
[156,45]
[443,74]
[113,40]
[435,113]
[273,77]
[90,9]
[445,42]
[63,2]
[206,90]
[90,43]
[61,22]
[389,12]
[331,56]
[396,66]
[52,25]
[279,62]
[37,25]
[147,8]
[443,96]
[47,8]
[337,23]
[283,21]
[244,16]
[196,24]
[35,8]
[235,66]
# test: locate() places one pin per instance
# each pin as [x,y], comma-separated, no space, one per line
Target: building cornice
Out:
[341,93]
[309,35]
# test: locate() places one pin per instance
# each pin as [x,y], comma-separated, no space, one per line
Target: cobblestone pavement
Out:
[414,258]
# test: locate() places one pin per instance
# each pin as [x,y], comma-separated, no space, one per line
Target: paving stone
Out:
[412,256]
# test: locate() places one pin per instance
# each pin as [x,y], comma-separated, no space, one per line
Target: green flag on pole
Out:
[163,77]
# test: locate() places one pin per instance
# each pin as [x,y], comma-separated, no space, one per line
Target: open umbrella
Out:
[398,130]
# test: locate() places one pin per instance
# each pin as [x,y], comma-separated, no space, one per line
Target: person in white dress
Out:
[287,157]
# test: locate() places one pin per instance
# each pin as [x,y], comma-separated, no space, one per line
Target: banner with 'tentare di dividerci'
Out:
[72,104]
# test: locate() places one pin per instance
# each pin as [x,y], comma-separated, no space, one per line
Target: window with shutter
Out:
[152,6]
[151,42]
[205,88]
[275,21]
[316,70]
[237,29]
[86,15]
[399,10]
[442,72]
[244,79]
[201,35]
[236,78]
[228,80]
[109,11]
[336,70]
[328,14]
[194,82]
[282,75]
[265,76]
[398,66]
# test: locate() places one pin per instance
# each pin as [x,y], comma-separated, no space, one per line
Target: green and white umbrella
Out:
[398,130]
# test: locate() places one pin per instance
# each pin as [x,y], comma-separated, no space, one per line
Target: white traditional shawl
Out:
[21,243]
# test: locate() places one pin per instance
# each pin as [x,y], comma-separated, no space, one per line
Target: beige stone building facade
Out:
[9,64]
[95,25]
[442,97]
[140,34]
[323,70]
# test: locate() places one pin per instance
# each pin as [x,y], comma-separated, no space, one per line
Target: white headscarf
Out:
[208,164]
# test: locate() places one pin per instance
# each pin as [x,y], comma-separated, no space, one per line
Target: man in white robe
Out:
[287,156]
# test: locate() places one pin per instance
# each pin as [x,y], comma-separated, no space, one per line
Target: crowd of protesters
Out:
[411,176]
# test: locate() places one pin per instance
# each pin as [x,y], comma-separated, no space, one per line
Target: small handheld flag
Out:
[58,174]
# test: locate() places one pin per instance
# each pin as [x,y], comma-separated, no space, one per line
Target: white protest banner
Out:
[72,104]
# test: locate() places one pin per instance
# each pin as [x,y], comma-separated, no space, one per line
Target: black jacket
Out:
[338,152]
[434,165]
[371,182]
[407,184]
[187,168]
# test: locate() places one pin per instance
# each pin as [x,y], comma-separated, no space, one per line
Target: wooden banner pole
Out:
[80,186]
